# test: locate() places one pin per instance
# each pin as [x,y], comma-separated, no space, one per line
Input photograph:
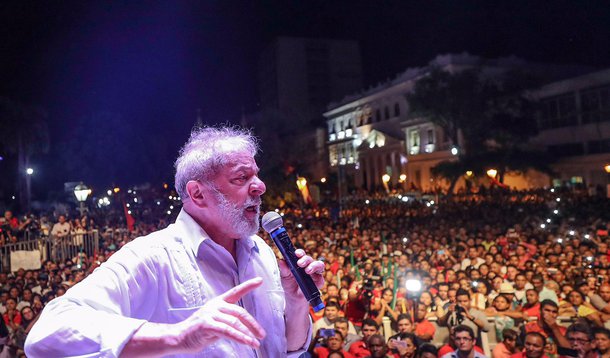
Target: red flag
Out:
[130,220]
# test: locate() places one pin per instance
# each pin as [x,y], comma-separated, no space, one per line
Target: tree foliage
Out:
[493,112]
[23,133]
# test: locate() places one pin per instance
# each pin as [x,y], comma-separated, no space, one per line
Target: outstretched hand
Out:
[222,318]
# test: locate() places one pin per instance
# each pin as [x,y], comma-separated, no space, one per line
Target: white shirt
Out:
[163,277]
[60,229]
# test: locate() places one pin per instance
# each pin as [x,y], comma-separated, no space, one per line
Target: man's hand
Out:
[297,308]
[313,268]
[221,318]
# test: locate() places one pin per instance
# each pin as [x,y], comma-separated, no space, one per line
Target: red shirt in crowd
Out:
[323,352]
[358,349]
[533,311]
[522,355]
[424,328]
[16,318]
[448,349]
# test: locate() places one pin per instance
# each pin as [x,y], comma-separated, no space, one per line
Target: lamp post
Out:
[607,169]
[492,173]
[403,181]
[386,180]
[81,192]
[28,186]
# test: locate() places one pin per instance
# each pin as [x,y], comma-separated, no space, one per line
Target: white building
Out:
[373,133]
[575,122]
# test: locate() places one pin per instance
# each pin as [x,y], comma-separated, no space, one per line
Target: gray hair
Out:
[207,150]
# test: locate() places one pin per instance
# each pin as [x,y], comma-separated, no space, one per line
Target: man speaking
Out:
[204,286]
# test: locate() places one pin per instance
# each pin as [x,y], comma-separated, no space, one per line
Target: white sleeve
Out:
[99,315]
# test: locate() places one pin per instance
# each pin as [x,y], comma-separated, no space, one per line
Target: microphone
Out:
[273,224]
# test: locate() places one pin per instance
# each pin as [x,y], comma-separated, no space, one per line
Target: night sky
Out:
[122,81]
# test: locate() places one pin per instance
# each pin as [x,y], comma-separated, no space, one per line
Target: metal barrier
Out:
[52,248]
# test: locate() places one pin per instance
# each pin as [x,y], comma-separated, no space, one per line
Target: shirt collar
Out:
[194,235]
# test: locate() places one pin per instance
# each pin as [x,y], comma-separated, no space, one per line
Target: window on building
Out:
[566,150]
[378,116]
[595,105]
[413,142]
[333,155]
[386,111]
[414,138]
[430,136]
[559,112]
[598,146]
[396,110]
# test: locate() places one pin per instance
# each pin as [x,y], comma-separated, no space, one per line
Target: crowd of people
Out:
[531,268]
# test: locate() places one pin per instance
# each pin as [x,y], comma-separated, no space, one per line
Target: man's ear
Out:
[195,192]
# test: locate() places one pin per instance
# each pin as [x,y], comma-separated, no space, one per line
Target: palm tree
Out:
[23,132]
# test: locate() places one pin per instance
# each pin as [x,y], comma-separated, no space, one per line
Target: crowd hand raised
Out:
[313,268]
[221,318]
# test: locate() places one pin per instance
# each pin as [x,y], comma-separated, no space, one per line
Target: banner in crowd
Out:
[27,260]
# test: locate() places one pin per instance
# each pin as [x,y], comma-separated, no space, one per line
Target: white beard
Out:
[243,226]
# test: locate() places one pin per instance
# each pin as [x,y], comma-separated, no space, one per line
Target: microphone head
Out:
[271,221]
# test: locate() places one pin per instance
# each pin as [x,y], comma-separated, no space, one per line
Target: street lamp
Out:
[492,173]
[455,150]
[29,171]
[81,192]
[301,183]
[386,179]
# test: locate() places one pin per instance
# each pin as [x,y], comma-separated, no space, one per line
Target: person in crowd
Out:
[382,306]
[342,324]
[360,348]
[581,339]
[602,342]
[12,317]
[377,347]
[427,350]
[601,299]
[206,284]
[424,330]
[405,345]
[62,227]
[507,346]
[331,313]
[404,325]
[333,343]
[503,314]
[577,306]
[533,346]
[548,327]
[531,307]
[462,314]
[465,341]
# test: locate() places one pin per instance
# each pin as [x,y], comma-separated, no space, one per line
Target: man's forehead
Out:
[241,161]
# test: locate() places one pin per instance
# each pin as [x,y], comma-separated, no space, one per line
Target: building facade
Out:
[575,127]
[373,133]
